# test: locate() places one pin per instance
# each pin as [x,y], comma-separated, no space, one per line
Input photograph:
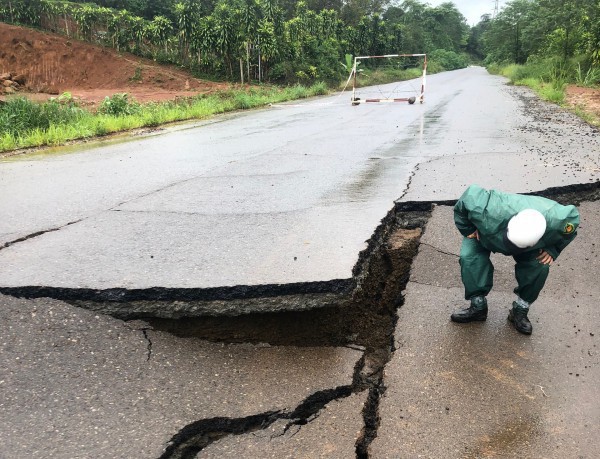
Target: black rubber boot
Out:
[518,316]
[476,312]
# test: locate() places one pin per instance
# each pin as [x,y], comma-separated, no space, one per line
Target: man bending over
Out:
[532,229]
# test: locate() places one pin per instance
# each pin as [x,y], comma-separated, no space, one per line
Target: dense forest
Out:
[306,41]
[526,29]
[274,40]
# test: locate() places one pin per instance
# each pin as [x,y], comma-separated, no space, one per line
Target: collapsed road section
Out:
[364,320]
[360,317]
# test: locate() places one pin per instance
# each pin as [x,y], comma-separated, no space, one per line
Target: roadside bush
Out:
[554,71]
[282,71]
[26,124]
[319,89]
[589,76]
[552,93]
[22,115]
[448,60]
[119,105]
[548,77]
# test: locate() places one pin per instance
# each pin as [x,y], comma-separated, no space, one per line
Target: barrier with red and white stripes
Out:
[410,100]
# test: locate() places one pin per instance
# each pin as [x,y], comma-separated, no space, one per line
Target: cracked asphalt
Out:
[484,390]
[282,195]
[79,384]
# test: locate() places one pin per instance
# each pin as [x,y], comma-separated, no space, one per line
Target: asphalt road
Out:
[79,385]
[287,194]
[482,389]
[311,179]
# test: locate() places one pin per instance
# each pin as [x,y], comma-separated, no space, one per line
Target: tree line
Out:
[529,31]
[267,40]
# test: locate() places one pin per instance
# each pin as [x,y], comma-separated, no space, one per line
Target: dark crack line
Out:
[194,437]
[408,184]
[372,275]
[203,175]
[371,420]
[380,274]
[439,250]
[36,234]
[147,337]
[158,190]
[296,431]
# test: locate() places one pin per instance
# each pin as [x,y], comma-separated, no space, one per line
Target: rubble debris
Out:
[11,82]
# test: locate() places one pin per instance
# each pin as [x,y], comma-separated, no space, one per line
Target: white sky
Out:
[471,9]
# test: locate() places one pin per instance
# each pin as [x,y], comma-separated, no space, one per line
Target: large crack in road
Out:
[360,313]
[367,319]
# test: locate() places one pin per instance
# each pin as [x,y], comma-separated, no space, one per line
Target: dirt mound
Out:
[586,98]
[53,64]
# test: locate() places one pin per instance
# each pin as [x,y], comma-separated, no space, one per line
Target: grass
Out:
[588,117]
[26,124]
[549,79]
[542,78]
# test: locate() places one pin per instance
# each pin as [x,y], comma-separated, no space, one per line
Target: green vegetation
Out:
[26,124]
[544,44]
[297,44]
[279,41]
[548,77]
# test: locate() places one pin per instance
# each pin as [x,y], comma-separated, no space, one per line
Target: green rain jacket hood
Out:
[488,212]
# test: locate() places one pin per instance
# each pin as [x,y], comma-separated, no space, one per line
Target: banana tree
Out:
[85,17]
[188,15]
[159,31]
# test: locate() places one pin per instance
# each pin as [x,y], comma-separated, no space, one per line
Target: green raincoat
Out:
[488,212]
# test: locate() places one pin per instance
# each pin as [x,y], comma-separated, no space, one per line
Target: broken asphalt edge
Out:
[378,283]
[164,302]
[380,276]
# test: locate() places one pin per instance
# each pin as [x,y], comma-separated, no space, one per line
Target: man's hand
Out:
[475,235]
[544,257]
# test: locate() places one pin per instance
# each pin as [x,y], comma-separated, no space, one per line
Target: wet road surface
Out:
[76,383]
[482,389]
[283,195]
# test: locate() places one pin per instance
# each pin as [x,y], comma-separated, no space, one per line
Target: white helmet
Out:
[526,228]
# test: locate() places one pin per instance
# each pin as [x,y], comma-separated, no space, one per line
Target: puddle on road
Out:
[507,439]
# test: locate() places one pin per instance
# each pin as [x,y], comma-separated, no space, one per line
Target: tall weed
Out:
[548,77]
[119,104]
[28,124]
[589,77]
[22,115]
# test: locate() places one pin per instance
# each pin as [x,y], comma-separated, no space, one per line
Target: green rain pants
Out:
[477,271]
